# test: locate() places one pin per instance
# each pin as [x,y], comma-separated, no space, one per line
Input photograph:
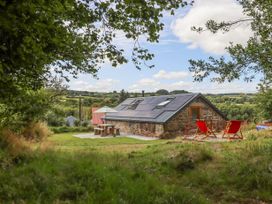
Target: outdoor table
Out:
[105,127]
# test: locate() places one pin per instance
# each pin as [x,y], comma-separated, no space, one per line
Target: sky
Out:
[178,43]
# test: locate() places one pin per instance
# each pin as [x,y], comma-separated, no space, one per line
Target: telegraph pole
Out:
[80,109]
[79,106]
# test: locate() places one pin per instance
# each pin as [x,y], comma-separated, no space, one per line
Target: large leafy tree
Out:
[245,61]
[71,36]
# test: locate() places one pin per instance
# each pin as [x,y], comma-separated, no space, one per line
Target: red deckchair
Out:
[233,128]
[203,129]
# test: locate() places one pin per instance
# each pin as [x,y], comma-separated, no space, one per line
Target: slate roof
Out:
[146,109]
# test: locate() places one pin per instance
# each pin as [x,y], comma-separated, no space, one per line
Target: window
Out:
[195,113]
[134,104]
[164,103]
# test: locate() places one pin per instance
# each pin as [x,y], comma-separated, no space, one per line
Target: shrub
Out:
[77,123]
[13,143]
[37,131]
[54,120]
[64,129]
[85,123]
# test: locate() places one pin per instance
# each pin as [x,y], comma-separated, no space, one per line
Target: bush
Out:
[85,123]
[77,123]
[37,131]
[13,143]
[54,120]
[64,129]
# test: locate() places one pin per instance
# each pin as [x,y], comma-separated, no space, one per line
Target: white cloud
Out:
[144,84]
[199,14]
[215,88]
[162,74]
[104,85]
[149,84]
[122,41]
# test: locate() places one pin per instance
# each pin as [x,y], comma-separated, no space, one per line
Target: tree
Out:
[70,36]
[245,61]
[179,92]
[25,109]
[264,100]
[123,96]
[162,92]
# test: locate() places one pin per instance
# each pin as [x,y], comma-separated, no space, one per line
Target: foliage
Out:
[71,37]
[247,60]
[160,172]
[85,123]
[36,131]
[162,92]
[26,108]
[123,96]
[14,146]
[63,129]
[264,100]
[239,112]
[237,106]
[241,106]
[54,118]
[179,92]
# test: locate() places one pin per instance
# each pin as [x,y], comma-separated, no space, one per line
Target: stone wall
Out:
[139,128]
[180,124]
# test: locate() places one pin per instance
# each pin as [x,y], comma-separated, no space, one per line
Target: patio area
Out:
[93,136]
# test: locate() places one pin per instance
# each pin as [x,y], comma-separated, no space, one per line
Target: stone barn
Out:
[165,116]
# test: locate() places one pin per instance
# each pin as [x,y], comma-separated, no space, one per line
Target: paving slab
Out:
[92,136]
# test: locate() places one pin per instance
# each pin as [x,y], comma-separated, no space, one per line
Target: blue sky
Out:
[177,45]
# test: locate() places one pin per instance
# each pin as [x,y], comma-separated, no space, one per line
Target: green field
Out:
[65,169]
[66,141]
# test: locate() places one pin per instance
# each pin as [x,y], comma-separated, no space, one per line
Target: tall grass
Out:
[37,131]
[236,172]
[86,178]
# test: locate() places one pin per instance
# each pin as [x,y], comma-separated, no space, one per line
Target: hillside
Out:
[65,169]
[236,106]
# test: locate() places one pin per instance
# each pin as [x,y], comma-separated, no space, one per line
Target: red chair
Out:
[203,129]
[233,128]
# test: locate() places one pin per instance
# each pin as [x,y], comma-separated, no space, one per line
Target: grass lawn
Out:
[67,141]
[125,170]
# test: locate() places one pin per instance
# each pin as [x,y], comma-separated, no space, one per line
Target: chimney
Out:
[142,93]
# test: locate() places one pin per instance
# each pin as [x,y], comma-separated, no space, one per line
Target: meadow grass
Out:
[67,141]
[74,170]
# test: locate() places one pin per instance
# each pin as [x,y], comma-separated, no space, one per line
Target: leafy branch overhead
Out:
[70,36]
[245,61]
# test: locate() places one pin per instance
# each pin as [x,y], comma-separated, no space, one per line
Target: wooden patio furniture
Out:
[203,130]
[98,131]
[233,130]
[116,131]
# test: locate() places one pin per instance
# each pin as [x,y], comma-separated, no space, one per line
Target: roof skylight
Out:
[135,104]
[164,103]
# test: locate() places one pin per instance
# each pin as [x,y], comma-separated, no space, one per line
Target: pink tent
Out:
[97,117]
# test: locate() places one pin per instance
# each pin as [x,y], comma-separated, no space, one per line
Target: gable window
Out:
[134,104]
[195,113]
[164,103]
